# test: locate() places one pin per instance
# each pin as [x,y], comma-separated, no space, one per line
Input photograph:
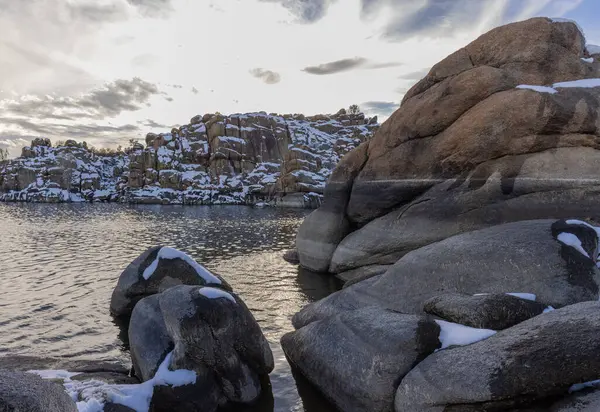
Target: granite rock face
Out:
[215,159]
[475,143]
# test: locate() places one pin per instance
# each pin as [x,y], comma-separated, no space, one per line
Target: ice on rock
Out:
[540,89]
[526,296]
[585,83]
[171,253]
[570,239]
[456,334]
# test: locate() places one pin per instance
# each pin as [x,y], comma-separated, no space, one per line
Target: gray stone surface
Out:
[350,277]
[131,286]
[490,311]
[210,332]
[357,359]
[26,392]
[515,257]
[585,401]
[536,359]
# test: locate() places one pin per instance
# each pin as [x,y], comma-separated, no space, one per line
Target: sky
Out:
[106,71]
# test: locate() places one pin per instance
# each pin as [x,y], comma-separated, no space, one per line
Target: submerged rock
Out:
[208,334]
[517,367]
[357,358]
[155,270]
[26,392]
[487,311]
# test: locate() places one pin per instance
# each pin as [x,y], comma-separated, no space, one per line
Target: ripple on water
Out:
[60,263]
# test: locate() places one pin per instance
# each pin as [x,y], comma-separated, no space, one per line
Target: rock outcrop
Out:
[554,260]
[215,159]
[477,142]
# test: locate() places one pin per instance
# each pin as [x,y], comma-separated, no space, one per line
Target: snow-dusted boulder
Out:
[554,260]
[586,400]
[211,335]
[357,358]
[25,392]
[155,270]
[488,311]
[524,365]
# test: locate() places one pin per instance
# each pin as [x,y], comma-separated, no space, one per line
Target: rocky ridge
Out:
[215,159]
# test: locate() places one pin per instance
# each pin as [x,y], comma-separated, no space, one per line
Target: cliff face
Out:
[215,159]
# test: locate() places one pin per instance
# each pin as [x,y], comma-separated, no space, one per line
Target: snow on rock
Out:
[579,83]
[588,59]
[91,395]
[456,334]
[540,89]
[216,159]
[581,386]
[214,293]
[570,239]
[171,253]
[526,296]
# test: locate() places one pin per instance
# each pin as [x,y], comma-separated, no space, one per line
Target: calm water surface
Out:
[60,263]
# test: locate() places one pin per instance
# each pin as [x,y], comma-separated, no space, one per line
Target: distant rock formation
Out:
[215,159]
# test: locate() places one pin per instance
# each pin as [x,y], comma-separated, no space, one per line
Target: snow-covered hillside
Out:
[215,159]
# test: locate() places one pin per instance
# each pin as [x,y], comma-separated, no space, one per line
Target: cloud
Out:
[152,124]
[379,108]
[267,76]
[306,11]
[416,75]
[153,8]
[384,65]
[337,66]
[107,101]
[194,90]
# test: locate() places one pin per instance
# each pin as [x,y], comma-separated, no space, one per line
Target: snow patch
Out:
[580,386]
[164,376]
[456,334]
[214,293]
[539,89]
[588,59]
[526,296]
[586,83]
[170,253]
[548,309]
[570,239]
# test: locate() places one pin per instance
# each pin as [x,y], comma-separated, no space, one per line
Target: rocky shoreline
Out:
[241,159]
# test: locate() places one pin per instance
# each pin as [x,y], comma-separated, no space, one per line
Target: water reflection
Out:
[59,264]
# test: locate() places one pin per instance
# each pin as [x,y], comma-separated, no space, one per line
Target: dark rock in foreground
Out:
[357,358]
[489,311]
[536,359]
[26,392]
[205,333]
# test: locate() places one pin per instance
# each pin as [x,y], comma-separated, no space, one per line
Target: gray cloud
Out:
[152,124]
[337,66]
[379,108]
[307,11]
[267,76]
[384,65]
[416,75]
[194,90]
[153,8]
[108,101]
[432,18]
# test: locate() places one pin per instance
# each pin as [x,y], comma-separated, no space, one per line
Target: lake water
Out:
[60,263]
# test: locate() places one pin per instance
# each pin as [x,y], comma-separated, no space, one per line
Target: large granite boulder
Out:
[555,260]
[26,392]
[206,332]
[517,367]
[487,311]
[357,358]
[587,400]
[469,149]
[155,270]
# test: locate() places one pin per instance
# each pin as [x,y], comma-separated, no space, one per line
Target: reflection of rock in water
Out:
[312,399]
[315,285]
[122,323]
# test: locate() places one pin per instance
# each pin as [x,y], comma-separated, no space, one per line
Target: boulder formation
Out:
[215,159]
[26,392]
[505,129]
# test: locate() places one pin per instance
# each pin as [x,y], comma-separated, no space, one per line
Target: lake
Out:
[60,262]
